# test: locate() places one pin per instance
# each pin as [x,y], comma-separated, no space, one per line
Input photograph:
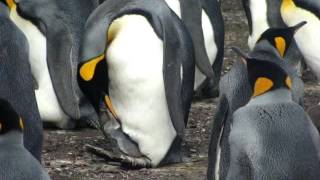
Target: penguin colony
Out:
[131,68]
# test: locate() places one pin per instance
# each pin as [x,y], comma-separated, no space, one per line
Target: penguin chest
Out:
[307,37]
[259,20]
[48,105]
[136,86]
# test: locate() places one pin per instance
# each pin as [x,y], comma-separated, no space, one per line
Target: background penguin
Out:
[16,163]
[236,92]
[263,15]
[137,69]
[271,133]
[308,37]
[54,33]
[16,80]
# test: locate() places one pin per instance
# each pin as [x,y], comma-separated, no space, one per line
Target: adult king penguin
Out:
[293,11]
[263,15]
[16,80]
[16,163]
[54,30]
[137,69]
[271,133]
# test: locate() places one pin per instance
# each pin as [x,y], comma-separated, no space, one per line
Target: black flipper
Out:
[191,12]
[62,24]
[217,128]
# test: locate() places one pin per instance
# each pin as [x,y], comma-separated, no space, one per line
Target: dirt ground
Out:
[65,157]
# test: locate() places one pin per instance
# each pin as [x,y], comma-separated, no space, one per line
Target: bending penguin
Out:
[308,37]
[54,32]
[137,69]
[262,15]
[16,163]
[16,80]
[271,133]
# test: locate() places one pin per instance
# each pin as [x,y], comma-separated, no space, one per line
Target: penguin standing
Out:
[16,80]
[137,69]
[16,163]
[308,37]
[271,133]
[236,92]
[262,15]
[54,33]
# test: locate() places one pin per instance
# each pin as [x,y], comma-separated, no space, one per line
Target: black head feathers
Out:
[9,118]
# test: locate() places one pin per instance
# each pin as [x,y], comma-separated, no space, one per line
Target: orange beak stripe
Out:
[110,107]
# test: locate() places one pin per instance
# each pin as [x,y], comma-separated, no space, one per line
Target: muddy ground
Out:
[65,157]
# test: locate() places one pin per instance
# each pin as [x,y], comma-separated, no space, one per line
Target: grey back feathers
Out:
[16,163]
[16,81]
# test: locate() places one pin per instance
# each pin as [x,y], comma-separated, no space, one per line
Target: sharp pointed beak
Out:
[298,26]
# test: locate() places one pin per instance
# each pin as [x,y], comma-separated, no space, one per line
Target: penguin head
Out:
[281,38]
[9,118]
[264,76]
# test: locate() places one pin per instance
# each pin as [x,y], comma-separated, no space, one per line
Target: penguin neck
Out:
[11,138]
[275,96]
[4,10]
[264,50]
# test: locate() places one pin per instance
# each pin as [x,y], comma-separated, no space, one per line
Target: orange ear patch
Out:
[289,82]
[21,123]
[280,43]
[87,70]
[110,107]
[261,86]
[11,3]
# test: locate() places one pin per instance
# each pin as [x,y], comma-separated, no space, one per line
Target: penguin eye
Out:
[21,123]
[280,43]
[261,86]
[288,82]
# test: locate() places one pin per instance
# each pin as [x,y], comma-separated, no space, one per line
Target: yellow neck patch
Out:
[11,4]
[87,70]
[289,82]
[110,106]
[21,123]
[280,45]
[287,5]
[262,85]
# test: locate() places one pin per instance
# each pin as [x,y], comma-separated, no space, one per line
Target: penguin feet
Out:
[208,89]
[124,160]
[314,113]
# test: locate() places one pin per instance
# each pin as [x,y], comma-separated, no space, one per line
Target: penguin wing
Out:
[213,10]
[219,120]
[177,52]
[62,47]
[191,16]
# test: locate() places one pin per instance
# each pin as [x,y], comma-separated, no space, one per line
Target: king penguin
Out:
[137,69]
[269,134]
[293,11]
[16,163]
[53,29]
[265,14]
[16,80]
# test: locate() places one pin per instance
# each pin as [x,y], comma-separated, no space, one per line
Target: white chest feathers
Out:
[259,19]
[136,85]
[48,104]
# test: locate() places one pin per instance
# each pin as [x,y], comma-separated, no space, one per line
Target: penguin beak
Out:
[298,26]
[238,51]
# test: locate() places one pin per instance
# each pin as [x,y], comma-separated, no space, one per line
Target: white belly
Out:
[135,61]
[258,11]
[47,101]
[307,37]
[209,40]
